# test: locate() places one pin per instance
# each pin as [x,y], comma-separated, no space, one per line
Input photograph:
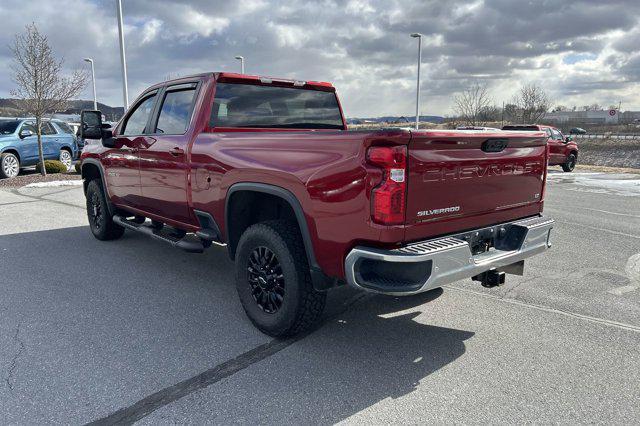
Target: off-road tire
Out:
[570,164]
[302,305]
[100,221]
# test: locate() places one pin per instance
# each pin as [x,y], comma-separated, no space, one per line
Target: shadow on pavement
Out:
[108,323]
[372,352]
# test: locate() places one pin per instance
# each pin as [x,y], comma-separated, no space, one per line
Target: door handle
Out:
[129,149]
[176,151]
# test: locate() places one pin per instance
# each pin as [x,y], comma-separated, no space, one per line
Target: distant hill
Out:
[396,119]
[11,108]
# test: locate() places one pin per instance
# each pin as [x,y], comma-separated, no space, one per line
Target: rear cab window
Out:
[175,113]
[240,105]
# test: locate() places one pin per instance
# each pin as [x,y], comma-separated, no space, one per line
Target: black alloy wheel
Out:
[94,211]
[266,279]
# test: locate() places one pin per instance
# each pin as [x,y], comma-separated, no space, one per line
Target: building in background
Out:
[585,117]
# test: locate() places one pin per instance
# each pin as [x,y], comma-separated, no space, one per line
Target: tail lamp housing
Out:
[388,199]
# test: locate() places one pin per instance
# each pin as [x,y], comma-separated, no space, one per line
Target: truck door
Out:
[164,167]
[556,147]
[122,163]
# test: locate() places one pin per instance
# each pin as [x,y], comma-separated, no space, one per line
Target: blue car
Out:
[19,144]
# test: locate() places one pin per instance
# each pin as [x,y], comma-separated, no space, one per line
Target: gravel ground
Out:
[31,176]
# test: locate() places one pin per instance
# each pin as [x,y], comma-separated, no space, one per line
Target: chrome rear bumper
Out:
[430,264]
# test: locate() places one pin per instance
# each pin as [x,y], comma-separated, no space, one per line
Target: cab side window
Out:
[137,121]
[175,113]
[556,134]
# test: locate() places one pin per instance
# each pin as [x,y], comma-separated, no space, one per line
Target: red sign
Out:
[612,112]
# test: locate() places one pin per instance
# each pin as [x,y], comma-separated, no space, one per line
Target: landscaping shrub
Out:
[78,167]
[52,166]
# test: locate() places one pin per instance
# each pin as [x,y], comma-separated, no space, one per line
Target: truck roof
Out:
[253,79]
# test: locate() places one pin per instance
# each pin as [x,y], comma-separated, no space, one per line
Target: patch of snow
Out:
[603,183]
[54,183]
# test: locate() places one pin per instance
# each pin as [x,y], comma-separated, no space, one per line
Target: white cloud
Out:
[150,30]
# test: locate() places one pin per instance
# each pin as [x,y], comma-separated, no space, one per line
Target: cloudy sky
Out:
[582,52]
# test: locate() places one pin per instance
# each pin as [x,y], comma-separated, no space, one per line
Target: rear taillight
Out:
[388,198]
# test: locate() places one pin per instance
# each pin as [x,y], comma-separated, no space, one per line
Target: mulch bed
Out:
[31,176]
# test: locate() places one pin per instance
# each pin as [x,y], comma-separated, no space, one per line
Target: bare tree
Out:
[533,103]
[41,87]
[470,103]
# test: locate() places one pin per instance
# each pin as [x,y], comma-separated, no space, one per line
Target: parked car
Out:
[75,127]
[563,151]
[577,131]
[267,167]
[19,144]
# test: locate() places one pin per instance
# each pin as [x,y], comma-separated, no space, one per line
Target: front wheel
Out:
[100,221]
[66,158]
[9,165]
[570,164]
[273,280]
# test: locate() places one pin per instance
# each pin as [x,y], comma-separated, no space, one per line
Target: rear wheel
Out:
[66,158]
[9,165]
[100,221]
[273,280]
[570,164]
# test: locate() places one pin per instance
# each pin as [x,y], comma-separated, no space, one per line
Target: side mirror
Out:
[91,124]
[25,133]
[567,139]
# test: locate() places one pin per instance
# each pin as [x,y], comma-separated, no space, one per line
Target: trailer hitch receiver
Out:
[491,278]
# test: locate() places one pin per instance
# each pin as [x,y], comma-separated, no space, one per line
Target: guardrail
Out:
[607,136]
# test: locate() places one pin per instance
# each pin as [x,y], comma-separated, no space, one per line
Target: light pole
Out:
[93,80]
[241,59]
[123,60]
[419,37]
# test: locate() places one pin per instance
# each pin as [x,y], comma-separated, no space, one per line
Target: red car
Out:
[267,167]
[563,151]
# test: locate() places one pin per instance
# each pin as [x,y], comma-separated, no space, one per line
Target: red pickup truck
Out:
[563,151]
[267,167]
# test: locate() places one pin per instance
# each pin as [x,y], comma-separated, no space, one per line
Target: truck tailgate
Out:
[465,179]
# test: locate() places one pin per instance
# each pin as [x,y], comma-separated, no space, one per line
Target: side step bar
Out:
[187,243]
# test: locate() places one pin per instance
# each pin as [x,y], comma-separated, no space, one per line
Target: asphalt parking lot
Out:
[134,330]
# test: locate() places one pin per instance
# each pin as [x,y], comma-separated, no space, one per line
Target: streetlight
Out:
[93,80]
[241,59]
[419,37]
[123,60]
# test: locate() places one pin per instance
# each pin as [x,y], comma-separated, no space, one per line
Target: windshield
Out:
[7,127]
[247,105]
